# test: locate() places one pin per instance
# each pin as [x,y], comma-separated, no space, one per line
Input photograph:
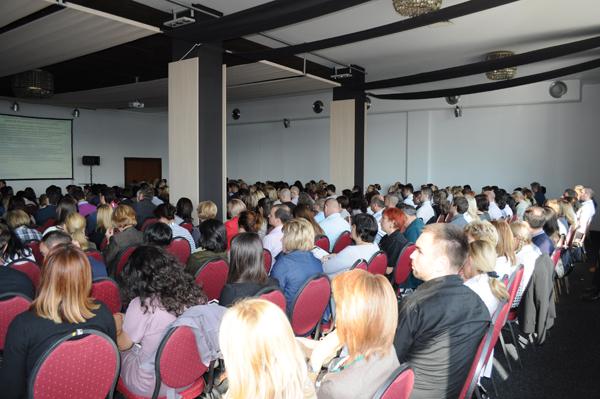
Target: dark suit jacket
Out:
[43,214]
[232,292]
[12,280]
[116,245]
[143,210]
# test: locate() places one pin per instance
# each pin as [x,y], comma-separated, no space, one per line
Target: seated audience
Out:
[363,233]
[107,197]
[393,242]
[413,224]
[249,222]
[298,263]
[506,261]
[333,225]
[377,205]
[566,214]
[247,274]
[234,208]
[344,202]
[320,209]
[481,230]
[213,242]
[66,206]
[103,223]
[14,248]
[357,203]
[303,211]
[268,341]
[442,313]
[206,210]
[366,310]
[535,217]
[526,256]
[158,234]
[183,212]
[483,205]
[123,219]
[48,209]
[84,208]
[62,305]
[502,202]
[263,208]
[75,227]
[425,212]
[521,203]
[165,213]
[285,197]
[12,280]
[144,207]
[493,208]
[563,225]
[60,237]
[157,291]
[279,215]
[551,227]
[20,221]
[472,211]
[440,203]
[458,211]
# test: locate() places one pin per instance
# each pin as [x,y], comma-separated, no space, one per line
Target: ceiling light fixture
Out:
[458,111]
[413,8]
[501,74]
[15,107]
[33,84]
[76,113]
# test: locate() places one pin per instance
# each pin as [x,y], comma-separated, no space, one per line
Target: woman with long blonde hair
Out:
[472,211]
[526,256]
[506,261]
[62,305]
[75,226]
[104,220]
[265,362]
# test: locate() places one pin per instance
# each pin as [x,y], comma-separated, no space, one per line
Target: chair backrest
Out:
[37,254]
[124,257]
[9,309]
[94,253]
[570,236]
[398,385]
[178,363]
[274,295]
[485,349]
[37,228]
[49,223]
[107,291]
[404,265]
[441,218]
[342,242]
[556,255]
[514,282]
[147,222]
[83,368]
[310,304]
[181,248]
[322,242]
[267,256]
[188,226]
[212,276]
[360,264]
[448,218]
[378,263]
[29,267]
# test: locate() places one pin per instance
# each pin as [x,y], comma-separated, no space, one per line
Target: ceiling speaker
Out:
[235,114]
[558,89]
[318,107]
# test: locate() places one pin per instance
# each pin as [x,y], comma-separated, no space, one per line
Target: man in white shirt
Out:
[333,225]
[272,241]
[408,195]
[425,211]
[493,210]
[587,210]
[331,191]
[377,206]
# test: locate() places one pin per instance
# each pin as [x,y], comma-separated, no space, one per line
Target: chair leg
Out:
[512,332]
[567,283]
[557,281]
[556,284]
[494,384]
[504,350]
[532,342]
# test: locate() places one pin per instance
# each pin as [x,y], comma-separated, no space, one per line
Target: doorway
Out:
[142,169]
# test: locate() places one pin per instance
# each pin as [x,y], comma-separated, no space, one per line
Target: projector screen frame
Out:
[72,155]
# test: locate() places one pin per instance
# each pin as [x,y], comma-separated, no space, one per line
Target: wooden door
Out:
[142,169]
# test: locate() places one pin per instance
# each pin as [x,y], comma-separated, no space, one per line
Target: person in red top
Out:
[234,208]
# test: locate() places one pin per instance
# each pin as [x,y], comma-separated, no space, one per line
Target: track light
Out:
[458,111]
[286,123]
[15,107]
[76,113]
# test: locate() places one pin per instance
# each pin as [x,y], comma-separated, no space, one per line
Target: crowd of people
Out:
[436,324]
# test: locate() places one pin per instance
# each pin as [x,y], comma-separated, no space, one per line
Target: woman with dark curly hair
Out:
[158,291]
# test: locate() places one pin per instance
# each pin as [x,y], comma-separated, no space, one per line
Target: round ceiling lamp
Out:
[33,84]
[413,8]
[501,74]
[558,89]
[453,100]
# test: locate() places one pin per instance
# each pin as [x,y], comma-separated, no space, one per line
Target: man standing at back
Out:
[334,224]
[441,325]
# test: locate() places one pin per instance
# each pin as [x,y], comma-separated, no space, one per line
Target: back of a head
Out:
[246,260]
[367,312]
[283,213]
[66,206]
[4,233]
[449,241]
[268,341]
[331,187]
[523,232]
[108,194]
[462,204]
[482,230]
[213,236]
[124,216]
[104,216]
[299,235]
[207,210]
[483,258]
[506,243]
[366,227]
[53,195]
[285,194]
[427,192]
[78,195]
[535,217]
[235,207]
[165,210]
[250,221]
[408,210]
[393,199]
[184,209]
[17,218]
[55,237]
[158,234]
[320,202]
[75,226]
[483,202]
[147,192]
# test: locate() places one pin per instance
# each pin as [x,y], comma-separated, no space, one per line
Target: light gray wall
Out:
[112,135]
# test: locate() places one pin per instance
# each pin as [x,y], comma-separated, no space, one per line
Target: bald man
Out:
[334,224]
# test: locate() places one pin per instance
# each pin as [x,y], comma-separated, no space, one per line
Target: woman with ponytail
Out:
[75,227]
[249,222]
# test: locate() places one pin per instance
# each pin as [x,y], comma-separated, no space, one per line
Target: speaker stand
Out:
[91,181]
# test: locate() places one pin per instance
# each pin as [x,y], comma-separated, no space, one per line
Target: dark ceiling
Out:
[145,59]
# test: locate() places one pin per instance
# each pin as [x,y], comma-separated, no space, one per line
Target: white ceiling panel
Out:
[12,11]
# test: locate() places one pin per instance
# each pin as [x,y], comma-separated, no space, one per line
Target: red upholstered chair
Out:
[322,242]
[37,254]
[35,227]
[181,248]
[310,304]
[94,253]
[107,291]
[9,309]
[49,223]
[512,287]
[342,242]
[82,368]
[188,226]
[29,267]
[485,350]
[441,219]
[178,364]
[124,257]
[448,218]
[378,263]
[404,266]
[274,295]
[268,259]
[147,222]
[398,385]
[360,264]
[212,276]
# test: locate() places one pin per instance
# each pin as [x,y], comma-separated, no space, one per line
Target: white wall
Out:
[112,135]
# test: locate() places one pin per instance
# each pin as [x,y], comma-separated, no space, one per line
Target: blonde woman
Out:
[265,362]
[272,194]
[567,212]
[522,203]
[472,211]
[526,256]
[104,220]
[234,208]
[506,261]
[482,230]
[75,227]
[206,210]
[124,218]
[257,196]
[366,321]
[19,220]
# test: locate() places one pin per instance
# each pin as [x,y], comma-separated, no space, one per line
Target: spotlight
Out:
[15,107]
[76,113]
[458,111]
[286,123]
